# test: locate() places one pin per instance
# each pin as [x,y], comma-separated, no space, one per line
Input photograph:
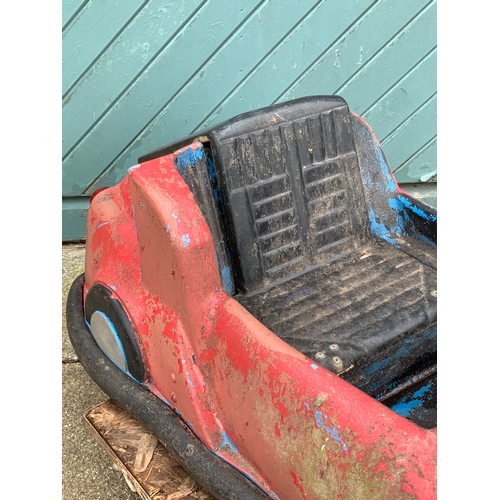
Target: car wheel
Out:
[113,331]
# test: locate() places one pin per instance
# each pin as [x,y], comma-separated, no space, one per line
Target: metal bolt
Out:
[434,293]
[337,362]
[320,355]
[333,347]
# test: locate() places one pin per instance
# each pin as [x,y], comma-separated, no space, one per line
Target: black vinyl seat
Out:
[293,222]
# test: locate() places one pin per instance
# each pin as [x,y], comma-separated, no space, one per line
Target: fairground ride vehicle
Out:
[263,298]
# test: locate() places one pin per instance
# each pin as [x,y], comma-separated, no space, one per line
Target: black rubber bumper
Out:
[214,474]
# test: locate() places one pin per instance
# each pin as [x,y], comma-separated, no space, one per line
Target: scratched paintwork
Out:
[297,429]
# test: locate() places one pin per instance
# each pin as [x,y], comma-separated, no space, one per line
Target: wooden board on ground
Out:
[147,466]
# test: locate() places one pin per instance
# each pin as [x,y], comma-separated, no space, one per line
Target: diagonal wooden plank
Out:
[185,109]
[92,30]
[69,10]
[123,61]
[350,54]
[178,63]
[252,89]
[214,61]
[396,58]
[285,62]
[406,95]
[249,89]
[411,135]
[421,167]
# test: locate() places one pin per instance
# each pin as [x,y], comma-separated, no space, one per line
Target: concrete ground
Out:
[87,471]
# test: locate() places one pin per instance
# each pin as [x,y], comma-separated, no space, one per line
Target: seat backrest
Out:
[291,189]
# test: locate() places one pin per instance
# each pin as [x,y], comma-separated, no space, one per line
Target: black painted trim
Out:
[99,298]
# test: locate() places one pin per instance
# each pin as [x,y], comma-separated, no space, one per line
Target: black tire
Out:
[219,478]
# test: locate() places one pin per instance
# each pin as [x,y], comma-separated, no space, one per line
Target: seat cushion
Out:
[291,189]
[378,305]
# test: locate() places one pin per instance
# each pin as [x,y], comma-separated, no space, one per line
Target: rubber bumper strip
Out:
[215,475]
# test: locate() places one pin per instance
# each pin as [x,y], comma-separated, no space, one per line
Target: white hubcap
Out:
[107,339]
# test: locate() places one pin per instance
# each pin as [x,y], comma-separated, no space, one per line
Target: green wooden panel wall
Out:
[140,74]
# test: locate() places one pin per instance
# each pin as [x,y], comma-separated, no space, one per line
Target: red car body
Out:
[292,427]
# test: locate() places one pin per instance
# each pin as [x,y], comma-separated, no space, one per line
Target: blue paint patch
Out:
[227,442]
[331,430]
[380,230]
[183,361]
[227,280]
[133,167]
[314,367]
[190,382]
[406,405]
[417,210]
[187,159]
[113,287]
[186,240]
[174,216]
[396,204]
[167,228]
[211,170]
[306,404]
[213,177]
[217,194]
[102,224]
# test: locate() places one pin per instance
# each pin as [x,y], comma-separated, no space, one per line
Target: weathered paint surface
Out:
[295,428]
[148,73]
[388,205]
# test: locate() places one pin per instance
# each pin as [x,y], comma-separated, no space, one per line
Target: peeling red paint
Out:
[296,481]
[246,382]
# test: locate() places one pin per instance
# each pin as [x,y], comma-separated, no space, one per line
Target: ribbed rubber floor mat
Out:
[346,313]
